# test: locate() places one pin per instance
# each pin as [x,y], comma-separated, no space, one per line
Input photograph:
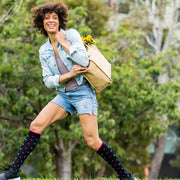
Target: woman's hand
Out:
[77,69]
[61,39]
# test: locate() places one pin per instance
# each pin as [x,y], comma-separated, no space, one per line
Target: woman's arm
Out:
[77,69]
[51,80]
[76,50]
[61,38]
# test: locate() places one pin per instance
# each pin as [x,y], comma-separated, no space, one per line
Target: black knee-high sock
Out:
[109,156]
[26,148]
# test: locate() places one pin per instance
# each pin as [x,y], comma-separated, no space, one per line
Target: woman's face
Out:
[51,23]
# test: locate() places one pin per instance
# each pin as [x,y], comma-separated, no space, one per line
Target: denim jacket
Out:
[78,55]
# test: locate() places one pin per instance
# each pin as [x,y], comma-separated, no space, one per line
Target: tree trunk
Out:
[63,156]
[101,171]
[63,164]
[159,145]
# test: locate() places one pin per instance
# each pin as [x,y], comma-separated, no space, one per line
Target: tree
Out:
[159,31]
[160,39]
[95,15]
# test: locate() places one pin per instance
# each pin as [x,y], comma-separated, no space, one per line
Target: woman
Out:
[63,59]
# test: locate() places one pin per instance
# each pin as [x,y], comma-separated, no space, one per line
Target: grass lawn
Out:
[88,179]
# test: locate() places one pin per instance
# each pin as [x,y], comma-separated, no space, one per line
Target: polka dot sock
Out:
[26,148]
[109,156]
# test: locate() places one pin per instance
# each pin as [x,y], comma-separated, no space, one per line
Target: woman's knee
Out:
[37,126]
[93,142]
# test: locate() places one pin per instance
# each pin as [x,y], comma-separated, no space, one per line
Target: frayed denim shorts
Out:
[82,99]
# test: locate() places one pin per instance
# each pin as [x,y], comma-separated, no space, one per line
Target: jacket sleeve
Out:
[50,80]
[78,52]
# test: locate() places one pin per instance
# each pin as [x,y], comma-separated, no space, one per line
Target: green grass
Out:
[89,179]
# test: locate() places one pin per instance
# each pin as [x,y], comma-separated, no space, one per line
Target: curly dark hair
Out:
[39,12]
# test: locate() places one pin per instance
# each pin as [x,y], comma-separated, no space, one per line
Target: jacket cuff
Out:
[56,80]
[72,49]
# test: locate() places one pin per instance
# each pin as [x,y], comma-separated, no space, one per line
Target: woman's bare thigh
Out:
[89,126]
[48,115]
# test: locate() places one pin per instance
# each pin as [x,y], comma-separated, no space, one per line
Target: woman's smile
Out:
[51,22]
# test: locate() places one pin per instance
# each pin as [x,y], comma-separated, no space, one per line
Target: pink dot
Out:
[14,165]
[32,136]
[104,149]
[28,143]
[23,152]
[115,164]
[123,175]
[25,147]
[106,152]
[109,156]
[118,168]
[112,160]
[17,161]
[31,139]
[19,156]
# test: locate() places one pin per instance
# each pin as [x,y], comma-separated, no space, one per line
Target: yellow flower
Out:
[88,40]
[89,37]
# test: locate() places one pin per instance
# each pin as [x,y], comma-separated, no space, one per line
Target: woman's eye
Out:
[46,17]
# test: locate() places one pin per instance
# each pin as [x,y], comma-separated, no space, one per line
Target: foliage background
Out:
[130,109]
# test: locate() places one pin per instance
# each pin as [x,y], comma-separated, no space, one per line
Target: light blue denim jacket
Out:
[78,55]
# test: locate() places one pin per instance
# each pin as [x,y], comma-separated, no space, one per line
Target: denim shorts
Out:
[82,99]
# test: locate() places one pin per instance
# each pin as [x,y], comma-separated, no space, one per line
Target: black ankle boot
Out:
[9,173]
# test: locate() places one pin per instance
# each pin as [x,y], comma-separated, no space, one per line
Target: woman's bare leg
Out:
[49,114]
[90,131]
